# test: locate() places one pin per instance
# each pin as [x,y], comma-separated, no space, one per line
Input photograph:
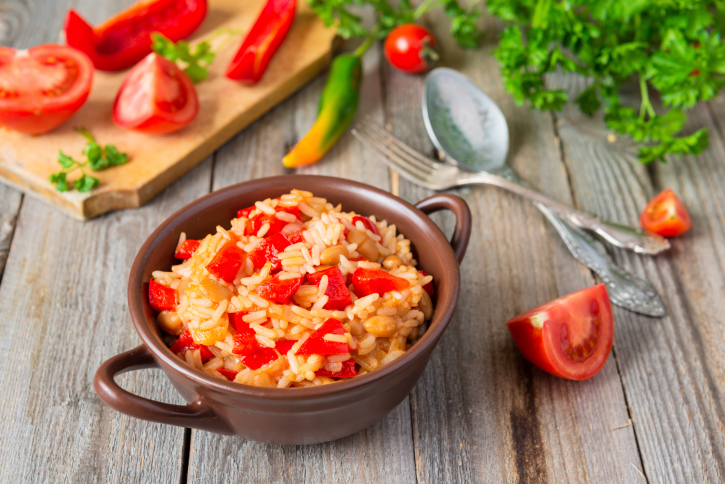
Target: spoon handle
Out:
[639,241]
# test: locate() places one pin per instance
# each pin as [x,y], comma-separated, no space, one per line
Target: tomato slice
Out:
[666,215]
[570,337]
[41,87]
[162,298]
[155,98]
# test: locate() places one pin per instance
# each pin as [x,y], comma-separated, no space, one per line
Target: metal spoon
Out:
[472,133]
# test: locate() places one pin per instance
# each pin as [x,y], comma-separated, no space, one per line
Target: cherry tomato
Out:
[155,98]
[666,215]
[570,337]
[411,48]
[41,87]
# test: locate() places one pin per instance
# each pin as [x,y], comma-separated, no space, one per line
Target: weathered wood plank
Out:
[673,369]
[381,453]
[481,413]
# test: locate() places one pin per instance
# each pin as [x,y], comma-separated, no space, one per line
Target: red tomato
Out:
[338,295]
[570,337]
[125,38]
[187,249]
[162,298]
[41,87]
[226,263]
[279,291]
[155,98]
[411,48]
[348,370]
[316,344]
[666,215]
[369,281]
[186,342]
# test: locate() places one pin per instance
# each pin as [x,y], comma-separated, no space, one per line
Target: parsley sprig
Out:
[194,60]
[671,48]
[97,158]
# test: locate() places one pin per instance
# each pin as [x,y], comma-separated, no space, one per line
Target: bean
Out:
[381,325]
[369,250]
[170,322]
[331,255]
[391,262]
[426,305]
[356,236]
[214,291]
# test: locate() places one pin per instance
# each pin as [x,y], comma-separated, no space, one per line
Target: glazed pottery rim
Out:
[441,316]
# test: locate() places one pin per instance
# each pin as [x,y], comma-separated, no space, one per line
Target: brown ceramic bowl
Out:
[291,415]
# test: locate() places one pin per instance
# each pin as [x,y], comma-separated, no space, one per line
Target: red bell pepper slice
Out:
[337,293]
[228,374]
[257,222]
[268,251]
[428,287]
[187,249]
[186,342]
[162,298]
[296,237]
[316,344]
[250,352]
[369,281]
[125,38]
[284,345]
[262,42]
[261,357]
[348,370]
[367,223]
[279,291]
[227,262]
[236,317]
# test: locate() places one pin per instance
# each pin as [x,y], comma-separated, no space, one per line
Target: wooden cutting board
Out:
[226,107]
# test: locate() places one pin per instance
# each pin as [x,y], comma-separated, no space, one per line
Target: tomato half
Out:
[411,48]
[41,87]
[666,215]
[570,337]
[155,98]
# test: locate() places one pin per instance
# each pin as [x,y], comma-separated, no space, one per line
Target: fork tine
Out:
[384,132]
[392,160]
[383,141]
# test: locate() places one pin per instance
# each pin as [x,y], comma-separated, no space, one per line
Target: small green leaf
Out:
[86,183]
[65,160]
[94,154]
[59,180]
[114,157]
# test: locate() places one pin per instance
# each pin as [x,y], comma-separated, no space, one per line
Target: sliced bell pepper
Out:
[162,298]
[186,342]
[250,352]
[338,296]
[284,345]
[125,38]
[367,223]
[296,237]
[369,281]
[428,287]
[261,357]
[262,41]
[268,251]
[228,374]
[187,249]
[227,262]
[277,290]
[275,225]
[234,317]
[316,344]
[348,370]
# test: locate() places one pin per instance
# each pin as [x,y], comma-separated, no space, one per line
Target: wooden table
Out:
[480,413]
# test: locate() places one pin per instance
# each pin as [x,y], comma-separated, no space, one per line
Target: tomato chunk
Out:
[227,262]
[277,290]
[268,251]
[316,344]
[348,370]
[570,337]
[186,342]
[369,281]
[187,249]
[367,223]
[666,215]
[337,293]
[162,298]
[228,374]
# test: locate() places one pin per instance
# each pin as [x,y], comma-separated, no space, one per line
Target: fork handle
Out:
[639,241]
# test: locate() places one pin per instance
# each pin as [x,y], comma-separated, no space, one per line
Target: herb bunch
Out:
[194,60]
[388,16]
[670,47]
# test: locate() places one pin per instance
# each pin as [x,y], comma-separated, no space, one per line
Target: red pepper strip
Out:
[369,281]
[162,298]
[316,344]
[268,251]
[245,344]
[227,262]
[275,225]
[262,42]
[338,296]
[279,291]
[187,249]
[428,287]
[228,374]
[261,357]
[186,342]
[296,237]
[367,223]
[348,369]
[284,345]
[125,39]
[235,317]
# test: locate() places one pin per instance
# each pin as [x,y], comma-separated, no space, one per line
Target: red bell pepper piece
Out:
[348,370]
[369,281]
[337,293]
[262,42]
[296,237]
[279,291]
[275,225]
[228,374]
[227,262]
[316,344]
[250,352]
[237,317]
[186,342]
[261,357]
[268,251]
[367,223]
[284,345]
[125,38]
[428,287]
[187,249]
[162,298]
[245,212]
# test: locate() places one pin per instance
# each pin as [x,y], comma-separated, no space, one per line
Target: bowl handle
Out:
[462,231]
[198,414]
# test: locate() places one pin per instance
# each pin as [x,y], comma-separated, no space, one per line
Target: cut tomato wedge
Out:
[666,215]
[42,87]
[570,337]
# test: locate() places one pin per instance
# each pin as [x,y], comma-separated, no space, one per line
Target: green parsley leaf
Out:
[65,160]
[194,62]
[60,182]
[113,156]
[86,183]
